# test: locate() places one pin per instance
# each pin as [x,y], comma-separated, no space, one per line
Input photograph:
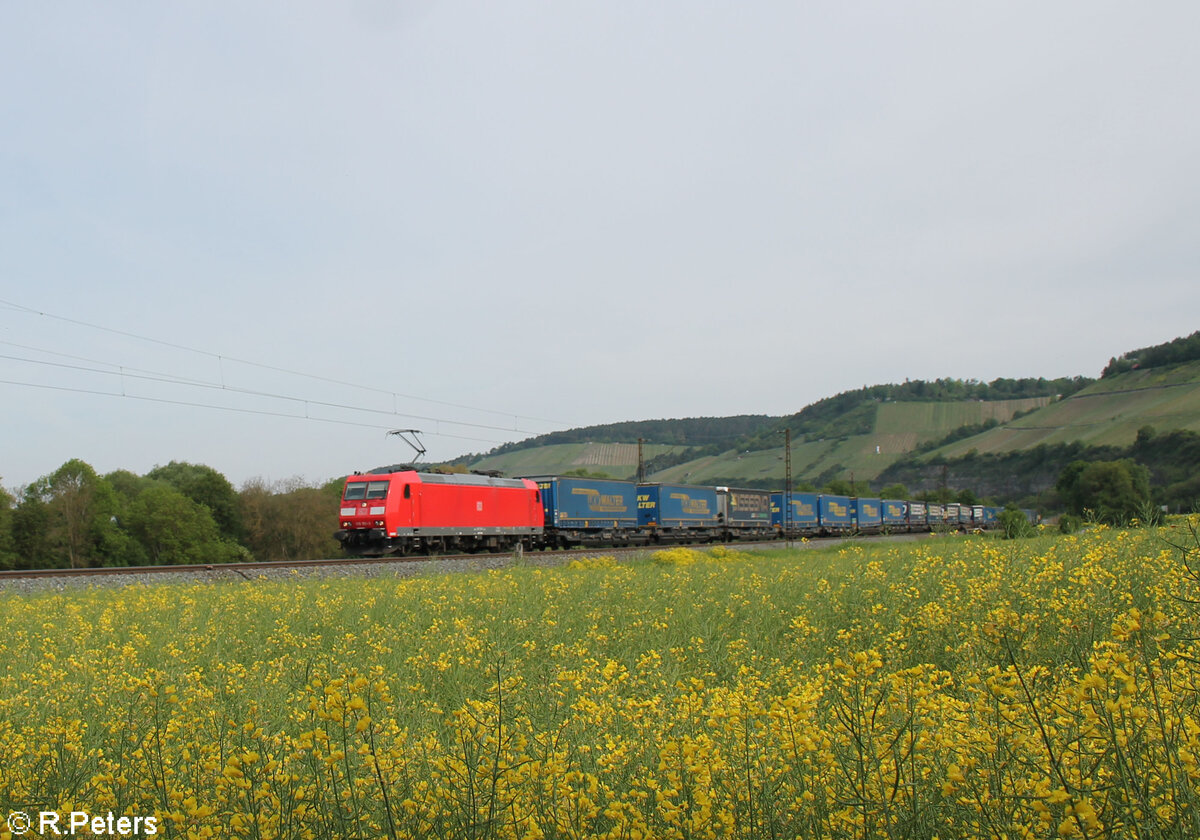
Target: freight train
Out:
[408,512]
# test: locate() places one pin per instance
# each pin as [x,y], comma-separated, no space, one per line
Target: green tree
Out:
[78,502]
[583,472]
[940,496]
[8,553]
[894,491]
[31,533]
[173,529]
[71,519]
[844,487]
[128,487]
[1111,491]
[208,487]
[1014,523]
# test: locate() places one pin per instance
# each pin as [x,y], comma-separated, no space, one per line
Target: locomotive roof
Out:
[461,479]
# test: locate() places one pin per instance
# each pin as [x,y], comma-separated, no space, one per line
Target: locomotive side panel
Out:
[409,511]
[453,504]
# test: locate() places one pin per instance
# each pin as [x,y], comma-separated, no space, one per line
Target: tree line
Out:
[848,413]
[854,412]
[720,432]
[1176,351]
[176,514]
[1159,469]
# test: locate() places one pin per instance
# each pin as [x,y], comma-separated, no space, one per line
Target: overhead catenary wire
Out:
[150,376]
[222,357]
[235,409]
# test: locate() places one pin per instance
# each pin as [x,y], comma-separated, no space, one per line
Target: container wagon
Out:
[867,515]
[588,511]
[804,519]
[677,512]
[894,514]
[918,516]
[744,514]
[936,517]
[835,514]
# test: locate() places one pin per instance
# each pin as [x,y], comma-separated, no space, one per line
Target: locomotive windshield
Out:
[365,490]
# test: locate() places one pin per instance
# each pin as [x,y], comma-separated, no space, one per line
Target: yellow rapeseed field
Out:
[952,688]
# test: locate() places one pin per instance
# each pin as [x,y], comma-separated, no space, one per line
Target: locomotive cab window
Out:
[357,490]
[408,491]
[377,490]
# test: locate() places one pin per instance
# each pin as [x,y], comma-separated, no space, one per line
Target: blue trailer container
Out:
[966,517]
[936,516]
[918,516]
[895,513]
[677,506]
[836,513]
[804,512]
[571,502]
[991,515]
[867,514]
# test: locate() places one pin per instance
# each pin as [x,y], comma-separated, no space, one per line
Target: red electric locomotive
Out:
[410,512]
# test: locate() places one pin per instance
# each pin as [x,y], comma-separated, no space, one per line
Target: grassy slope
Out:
[618,460]
[1107,413]
[899,427]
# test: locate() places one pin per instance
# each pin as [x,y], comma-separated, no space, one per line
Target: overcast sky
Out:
[492,220]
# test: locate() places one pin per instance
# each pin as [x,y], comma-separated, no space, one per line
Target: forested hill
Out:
[690,431]
[848,413]
[1169,353]
[854,412]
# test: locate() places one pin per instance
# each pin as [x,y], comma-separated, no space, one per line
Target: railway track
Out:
[367,566]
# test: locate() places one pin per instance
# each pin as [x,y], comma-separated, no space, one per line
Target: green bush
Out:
[1070,523]
[1014,524]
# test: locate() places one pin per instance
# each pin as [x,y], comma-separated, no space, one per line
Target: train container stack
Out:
[950,515]
[402,511]
[918,516]
[588,511]
[835,513]
[744,514]
[986,516]
[894,514]
[935,517]
[804,519]
[868,515]
[678,512]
